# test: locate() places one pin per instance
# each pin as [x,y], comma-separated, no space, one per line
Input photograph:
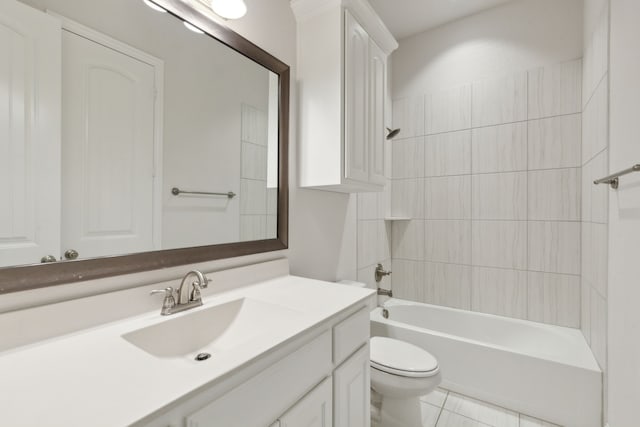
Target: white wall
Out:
[514,37]
[624,217]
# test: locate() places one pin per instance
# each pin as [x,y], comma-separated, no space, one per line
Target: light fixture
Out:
[229,9]
[192,27]
[154,6]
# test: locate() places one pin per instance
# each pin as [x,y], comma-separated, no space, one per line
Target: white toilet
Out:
[401,372]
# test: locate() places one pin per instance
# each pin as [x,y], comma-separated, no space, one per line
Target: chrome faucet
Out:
[189,295]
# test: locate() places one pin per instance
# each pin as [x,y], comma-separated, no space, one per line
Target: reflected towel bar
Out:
[176,192]
[613,180]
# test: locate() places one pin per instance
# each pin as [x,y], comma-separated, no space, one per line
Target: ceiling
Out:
[407,17]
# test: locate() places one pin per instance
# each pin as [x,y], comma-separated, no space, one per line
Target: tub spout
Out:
[385,292]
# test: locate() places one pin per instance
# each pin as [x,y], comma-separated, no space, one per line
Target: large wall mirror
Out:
[134,137]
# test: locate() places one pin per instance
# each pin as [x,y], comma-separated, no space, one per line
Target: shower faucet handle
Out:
[381,272]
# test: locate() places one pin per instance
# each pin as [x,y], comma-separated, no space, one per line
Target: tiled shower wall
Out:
[595,202]
[374,236]
[258,204]
[489,175]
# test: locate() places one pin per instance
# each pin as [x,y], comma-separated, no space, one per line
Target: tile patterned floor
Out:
[444,408]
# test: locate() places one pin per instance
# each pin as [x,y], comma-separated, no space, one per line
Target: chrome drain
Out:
[202,356]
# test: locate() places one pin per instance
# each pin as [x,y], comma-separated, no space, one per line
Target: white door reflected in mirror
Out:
[30,135]
[147,105]
[109,141]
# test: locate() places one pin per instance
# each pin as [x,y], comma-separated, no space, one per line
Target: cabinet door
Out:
[377,79]
[29,134]
[356,121]
[351,392]
[313,410]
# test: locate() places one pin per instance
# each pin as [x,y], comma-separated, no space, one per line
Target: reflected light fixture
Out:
[192,27]
[229,9]
[154,6]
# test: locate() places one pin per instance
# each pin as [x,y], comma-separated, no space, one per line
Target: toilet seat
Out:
[402,358]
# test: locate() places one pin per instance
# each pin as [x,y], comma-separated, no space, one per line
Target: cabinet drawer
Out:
[267,395]
[350,334]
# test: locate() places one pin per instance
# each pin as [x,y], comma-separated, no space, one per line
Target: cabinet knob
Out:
[71,254]
[47,259]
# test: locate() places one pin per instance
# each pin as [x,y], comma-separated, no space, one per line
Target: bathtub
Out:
[540,370]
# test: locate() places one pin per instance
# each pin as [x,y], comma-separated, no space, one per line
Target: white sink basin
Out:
[214,330]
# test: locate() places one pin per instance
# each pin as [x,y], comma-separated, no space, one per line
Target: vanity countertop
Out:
[95,377]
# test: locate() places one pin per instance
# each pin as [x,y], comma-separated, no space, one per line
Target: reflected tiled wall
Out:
[595,202]
[490,174]
[258,204]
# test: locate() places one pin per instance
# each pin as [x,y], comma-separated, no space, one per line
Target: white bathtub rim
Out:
[376,315]
[397,302]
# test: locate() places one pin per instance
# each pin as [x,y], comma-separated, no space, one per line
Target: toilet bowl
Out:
[400,374]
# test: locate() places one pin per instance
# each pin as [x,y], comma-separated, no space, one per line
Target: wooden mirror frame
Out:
[28,277]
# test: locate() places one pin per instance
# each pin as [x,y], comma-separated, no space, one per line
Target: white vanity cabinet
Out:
[342,71]
[321,380]
[283,349]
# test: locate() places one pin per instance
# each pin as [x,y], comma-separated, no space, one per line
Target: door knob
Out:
[48,258]
[71,254]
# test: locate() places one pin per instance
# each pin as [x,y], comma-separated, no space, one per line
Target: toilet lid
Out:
[401,358]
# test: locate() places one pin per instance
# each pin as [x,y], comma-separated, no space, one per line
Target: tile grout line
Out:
[492,406]
[423,283]
[582,196]
[471,283]
[480,423]
[438,417]
[441,409]
[496,172]
[485,266]
[518,415]
[466,129]
[595,89]
[498,220]
[527,212]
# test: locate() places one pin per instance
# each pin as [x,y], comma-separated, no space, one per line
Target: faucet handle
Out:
[169,300]
[380,272]
[205,282]
[167,291]
[197,287]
